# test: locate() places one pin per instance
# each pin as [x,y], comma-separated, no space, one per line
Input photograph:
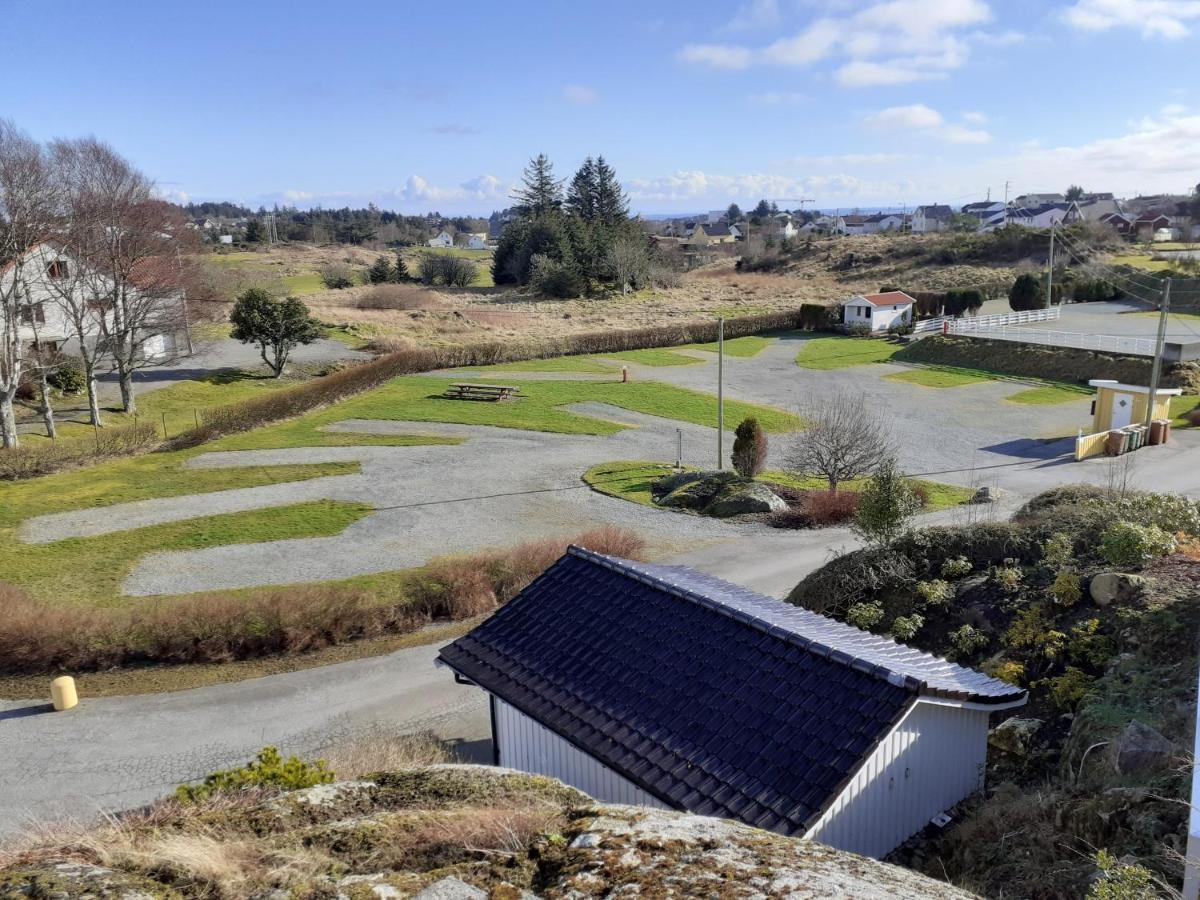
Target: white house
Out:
[660,686]
[444,239]
[851,224]
[990,214]
[880,311]
[881,222]
[477,241]
[927,219]
[1044,216]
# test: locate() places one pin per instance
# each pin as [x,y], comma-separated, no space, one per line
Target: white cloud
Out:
[417,190]
[580,94]
[974,118]
[1173,109]
[717,56]
[918,115]
[846,159]
[928,121]
[698,186]
[1154,18]
[777,98]
[886,42]
[755,14]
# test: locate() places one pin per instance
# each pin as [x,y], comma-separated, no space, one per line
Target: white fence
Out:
[1109,343]
[968,324]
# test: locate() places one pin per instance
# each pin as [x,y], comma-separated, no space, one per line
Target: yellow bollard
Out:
[62,693]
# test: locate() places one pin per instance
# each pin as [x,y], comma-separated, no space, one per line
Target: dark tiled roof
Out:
[711,697]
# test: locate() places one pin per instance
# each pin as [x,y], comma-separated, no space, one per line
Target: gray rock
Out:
[451,889]
[696,494]
[1142,749]
[1119,586]
[983,495]
[739,499]
[1014,735]
[668,483]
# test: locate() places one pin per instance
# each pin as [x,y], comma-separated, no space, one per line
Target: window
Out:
[57,269]
[33,312]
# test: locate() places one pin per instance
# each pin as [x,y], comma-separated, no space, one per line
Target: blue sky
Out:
[438,106]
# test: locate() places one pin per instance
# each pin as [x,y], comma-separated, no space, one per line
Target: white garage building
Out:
[879,311]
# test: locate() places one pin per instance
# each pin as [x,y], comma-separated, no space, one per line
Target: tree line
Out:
[569,237]
[82,233]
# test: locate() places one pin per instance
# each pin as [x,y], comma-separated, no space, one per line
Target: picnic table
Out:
[492,392]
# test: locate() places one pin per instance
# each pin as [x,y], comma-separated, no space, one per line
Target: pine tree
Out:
[733,214]
[612,206]
[540,192]
[581,195]
[380,271]
[762,210]
[400,270]
[254,233]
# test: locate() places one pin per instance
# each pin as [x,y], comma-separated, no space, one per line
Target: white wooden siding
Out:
[528,746]
[932,759]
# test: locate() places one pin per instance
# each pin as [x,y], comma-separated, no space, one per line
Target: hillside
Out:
[461,832]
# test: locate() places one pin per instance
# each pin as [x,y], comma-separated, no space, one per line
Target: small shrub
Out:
[865,615]
[1008,577]
[553,278]
[1067,689]
[823,508]
[885,506]
[1087,646]
[899,328]
[921,493]
[1120,881]
[905,628]
[967,641]
[858,329]
[442,268]
[1173,513]
[1067,589]
[935,592]
[1032,629]
[1128,544]
[956,567]
[1007,670]
[337,276]
[268,769]
[1058,550]
[67,377]
[749,448]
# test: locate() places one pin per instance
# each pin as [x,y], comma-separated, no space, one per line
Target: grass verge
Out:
[631,480]
[1181,406]
[744,347]
[654,357]
[844,352]
[940,377]
[1050,394]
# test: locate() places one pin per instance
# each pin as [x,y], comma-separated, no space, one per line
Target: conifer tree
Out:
[400,270]
[540,192]
[581,195]
[612,206]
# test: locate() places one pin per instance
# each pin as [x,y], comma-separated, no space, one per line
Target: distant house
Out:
[927,219]
[990,214]
[1038,199]
[444,239]
[851,224]
[883,222]
[1148,223]
[225,239]
[1118,222]
[477,241]
[1044,216]
[779,227]
[1096,207]
[706,235]
[659,686]
[880,311]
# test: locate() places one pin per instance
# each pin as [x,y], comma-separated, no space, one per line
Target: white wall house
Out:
[928,219]
[476,241]
[659,686]
[879,311]
[881,222]
[851,224]
[1044,216]
[444,239]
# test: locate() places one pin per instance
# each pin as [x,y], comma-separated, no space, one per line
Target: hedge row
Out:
[32,460]
[291,402]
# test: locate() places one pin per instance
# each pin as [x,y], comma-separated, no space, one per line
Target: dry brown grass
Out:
[383,752]
[396,296]
[393,343]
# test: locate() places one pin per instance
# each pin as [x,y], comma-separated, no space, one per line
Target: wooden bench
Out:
[490,392]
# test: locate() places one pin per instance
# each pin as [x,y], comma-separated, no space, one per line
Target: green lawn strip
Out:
[940,376]
[143,478]
[656,356]
[91,570]
[1050,394]
[1142,261]
[418,399]
[843,352]
[584,365]
[1181,406]
[631,480]
[744,347]
[303,284]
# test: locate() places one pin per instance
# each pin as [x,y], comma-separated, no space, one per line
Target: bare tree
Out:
[27,207]
[628,261]
[127,242]
[841,441]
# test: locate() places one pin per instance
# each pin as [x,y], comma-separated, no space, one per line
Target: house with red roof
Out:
[879,311]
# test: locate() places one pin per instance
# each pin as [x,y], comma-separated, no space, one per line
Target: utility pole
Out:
[720,393]
[1156,370]
[1006,184]
[1050,272]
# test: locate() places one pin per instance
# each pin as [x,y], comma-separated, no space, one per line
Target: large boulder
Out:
[1014,735]
[663,486]
[695,493]
[1142,749]
[1115,586]
[741,499]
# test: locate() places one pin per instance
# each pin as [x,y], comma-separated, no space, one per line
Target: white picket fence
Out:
[1109,343]
[968,324]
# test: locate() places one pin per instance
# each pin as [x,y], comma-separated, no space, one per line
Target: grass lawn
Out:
[843,352]
[302,284]
[744,347]
[418,399]
[657,356]
[1141,261]
[940,376]
[1181,406]
[1050,394]
[631,480]
[91,570]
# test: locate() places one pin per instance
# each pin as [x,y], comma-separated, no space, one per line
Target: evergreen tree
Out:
[254,233]
[762,210]
[581,195]
[276,326]
[540,192]
[885,506]
[1074,192]
[733,214]
[612,206]
[381,271]
[749,448]
[400,270]
[1026,293]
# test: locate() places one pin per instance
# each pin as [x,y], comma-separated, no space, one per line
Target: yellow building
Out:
[1117,405]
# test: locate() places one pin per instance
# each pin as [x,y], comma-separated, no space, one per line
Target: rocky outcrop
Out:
[717,494]
[743,499]
[447,833]
[1142,749]
[1015,735]
[1120,587]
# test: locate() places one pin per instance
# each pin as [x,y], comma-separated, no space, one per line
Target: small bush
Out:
[268,769]
[865,615]
[1067,689]
[900,328]
[1067,589]
[936,592]
[1173,513]
[956,567]
[337,276]
[858,329]
[905,628]
[1128,544]
[749,448]
[1121,881]
[1058,550]
[67,377]
[921,493]
[552,278]
[1008,577]
[1007,670]
[32,460]
[824,508]
[967,641]
[390,343]
[442,268]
